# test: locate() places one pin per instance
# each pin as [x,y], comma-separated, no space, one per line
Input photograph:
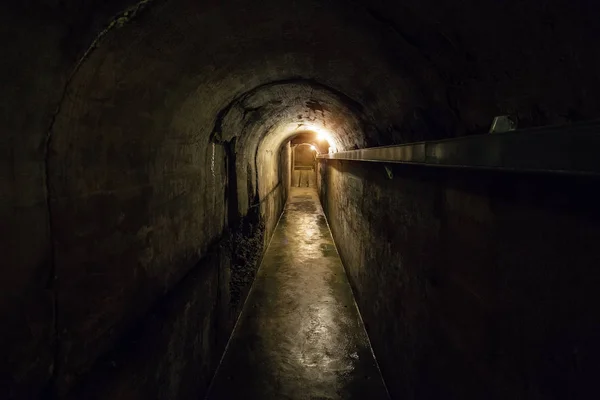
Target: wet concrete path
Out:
[300,335]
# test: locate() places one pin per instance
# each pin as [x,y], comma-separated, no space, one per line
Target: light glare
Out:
[321,134]
[324,135]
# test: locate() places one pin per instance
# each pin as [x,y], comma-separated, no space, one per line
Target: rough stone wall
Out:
[471,284]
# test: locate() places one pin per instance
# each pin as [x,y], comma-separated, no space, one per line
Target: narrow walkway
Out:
[300,335]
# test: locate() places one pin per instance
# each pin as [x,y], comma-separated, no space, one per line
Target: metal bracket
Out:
[389,172]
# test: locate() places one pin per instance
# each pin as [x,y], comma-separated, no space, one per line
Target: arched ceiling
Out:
[183,64]
[413,70]
[280,110]
[119,134]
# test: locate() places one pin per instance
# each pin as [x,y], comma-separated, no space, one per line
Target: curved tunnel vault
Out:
[260,122]
[162,135]
[168,149]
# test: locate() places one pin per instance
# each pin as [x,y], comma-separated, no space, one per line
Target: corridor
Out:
[174,175]
[300,335]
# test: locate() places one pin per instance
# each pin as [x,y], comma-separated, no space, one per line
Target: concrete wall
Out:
[107,194]
[274,170]
[172,352]
[40,41]
[304,156]
[472,285]
[164,300]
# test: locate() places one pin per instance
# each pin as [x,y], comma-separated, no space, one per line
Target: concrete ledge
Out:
[572,149]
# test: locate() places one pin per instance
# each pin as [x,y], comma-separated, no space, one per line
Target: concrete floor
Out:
[304,177]
[300,335]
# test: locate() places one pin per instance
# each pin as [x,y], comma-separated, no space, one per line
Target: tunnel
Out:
[342,199]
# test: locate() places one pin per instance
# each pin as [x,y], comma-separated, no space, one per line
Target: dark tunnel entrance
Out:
[149,153]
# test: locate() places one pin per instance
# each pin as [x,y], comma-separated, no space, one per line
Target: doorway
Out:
[304,161]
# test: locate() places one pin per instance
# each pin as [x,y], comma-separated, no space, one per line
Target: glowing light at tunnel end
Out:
[323,135]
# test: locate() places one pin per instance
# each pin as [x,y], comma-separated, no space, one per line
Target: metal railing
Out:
[572,149]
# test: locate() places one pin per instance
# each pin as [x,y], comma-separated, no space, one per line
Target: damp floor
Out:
[300,335]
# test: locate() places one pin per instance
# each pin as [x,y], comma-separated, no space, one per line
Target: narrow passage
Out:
[300,335]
